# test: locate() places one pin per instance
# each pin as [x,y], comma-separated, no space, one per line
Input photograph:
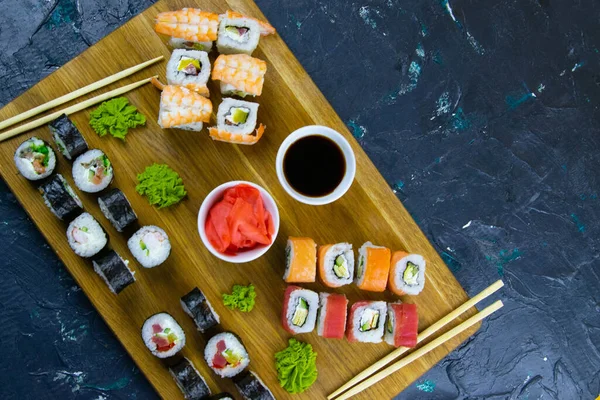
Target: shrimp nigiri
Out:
[189,23]
[181,108]
[240,73]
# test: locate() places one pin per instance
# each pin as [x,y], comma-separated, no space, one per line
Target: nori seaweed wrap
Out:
[196,305]
[116,208]
[67,137]
[221,396]
[60,197]
[114,271]
[252,388]
[192,384]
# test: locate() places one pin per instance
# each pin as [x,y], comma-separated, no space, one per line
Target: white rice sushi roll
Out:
[92,171]
[407,273]
[60,198]
[299,310]
[86,236]
[189,68]
[236,122]
[35,159]
[67,137]
[238,35]
[150,246]
[336,264]
[226,355]
[162,335]
[366,321]
[251,387]
[188,379]
[179,43]
[114,271]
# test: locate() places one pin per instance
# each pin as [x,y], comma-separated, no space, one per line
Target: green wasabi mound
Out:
[242,298]
[161,185]
[296,366]
[116,116]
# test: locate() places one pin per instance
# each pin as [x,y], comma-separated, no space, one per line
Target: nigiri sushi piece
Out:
[331,321]
[301,260]
[407,273]
[240,74]
[190,24]
[373,267]
[265,27]
[236,120]
[181,108]
[401,328]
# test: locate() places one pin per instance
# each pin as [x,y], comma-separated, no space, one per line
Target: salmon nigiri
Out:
[189,23]
[240,74]
[182,108]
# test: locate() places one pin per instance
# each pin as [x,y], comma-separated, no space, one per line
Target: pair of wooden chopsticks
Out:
[73,95]
[370,376]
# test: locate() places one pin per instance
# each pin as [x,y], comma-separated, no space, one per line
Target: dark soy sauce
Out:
[314,165]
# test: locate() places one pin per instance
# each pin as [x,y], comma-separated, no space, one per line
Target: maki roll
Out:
[333,309]
[183,109]
[86,236]
[150,246]
[373,267]
[60,197]
[114,271]
[236,120]
[162,335]
[237,35]
[35,159]
[366,321]
[226,355]
[92,171]
[222,396]
[402,326]
[299,310]
[179,43]
[116,208]
[336,264]
[196,305]
[251,387]
[407,273]
[67,137]
[300,260]
[190,382]
[190,69]
[240,74]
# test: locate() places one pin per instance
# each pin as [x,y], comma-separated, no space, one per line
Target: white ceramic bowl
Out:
[215,196]
[341,141]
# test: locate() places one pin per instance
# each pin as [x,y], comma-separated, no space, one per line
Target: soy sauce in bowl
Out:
[314,165]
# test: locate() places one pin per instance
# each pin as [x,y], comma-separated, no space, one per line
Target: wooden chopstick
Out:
[72,109]
[422,351]
[77,93]
[422,336]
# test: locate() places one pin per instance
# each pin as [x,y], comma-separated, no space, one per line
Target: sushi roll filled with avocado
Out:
[188,379]
[117,209]
[92,171]
[113,270]
[251,387]
[236,122]
[150,246]
[162,335]
[237,35]
[197,306]
[60,197]
[226,355]
[180,43]
[299,310]
[336,264]
[35,159]
[190,69]
[86,236]
[67,137]
[366,321]
[407,273]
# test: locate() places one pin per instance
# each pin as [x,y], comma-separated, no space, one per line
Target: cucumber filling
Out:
[389,325]
[237,33]
[361,267]
[301,312]
[340,267]
[237,116]
[369,320]
[411,273]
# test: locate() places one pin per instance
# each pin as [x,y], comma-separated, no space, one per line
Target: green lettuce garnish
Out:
[296,366]
[242,298]
[116,116]
[161,185]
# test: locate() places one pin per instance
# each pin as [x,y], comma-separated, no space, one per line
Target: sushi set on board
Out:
[221,218]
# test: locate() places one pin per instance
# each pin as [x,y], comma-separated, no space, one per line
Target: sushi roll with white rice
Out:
[366,321]
[188,68]
[237,35]
[150,246]
[86,236]
[196,305]
[251,387]
[226,355]
[67,137]
[299,310]
[179,43]
[60,197]
[92,171]
[236,122]
[407,273]
[336,264]
[117,209]
[35,159]
[114,270]
[162,335]
[188,379]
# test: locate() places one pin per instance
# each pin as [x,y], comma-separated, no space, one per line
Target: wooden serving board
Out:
[290,100]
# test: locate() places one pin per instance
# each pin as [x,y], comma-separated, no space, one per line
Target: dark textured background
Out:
[483,117]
